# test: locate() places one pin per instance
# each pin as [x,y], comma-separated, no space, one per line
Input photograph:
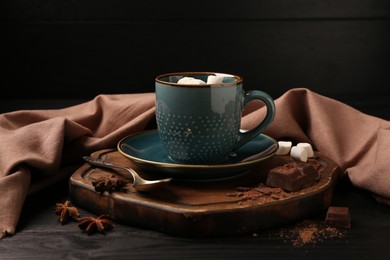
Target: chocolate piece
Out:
[316,164]
[293,176]
[339,217]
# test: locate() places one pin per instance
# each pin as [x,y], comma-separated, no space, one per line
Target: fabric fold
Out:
[48,141]
[357,142]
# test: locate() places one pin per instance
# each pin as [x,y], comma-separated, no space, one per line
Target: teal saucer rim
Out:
[194,166]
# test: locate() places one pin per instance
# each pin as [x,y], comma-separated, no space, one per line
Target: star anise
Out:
[91,224]
[108,183]
[66,211]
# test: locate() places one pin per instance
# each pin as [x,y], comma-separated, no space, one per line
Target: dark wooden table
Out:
[40,235]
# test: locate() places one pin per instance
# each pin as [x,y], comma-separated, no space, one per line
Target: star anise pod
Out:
[110,183]
[66,211]
[91,224]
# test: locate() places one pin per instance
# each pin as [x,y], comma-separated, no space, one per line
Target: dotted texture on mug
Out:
[203,137]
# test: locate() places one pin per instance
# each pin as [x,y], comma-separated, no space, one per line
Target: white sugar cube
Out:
[308,147]
[190,81]
[299,153]
[215,79]
[284,147]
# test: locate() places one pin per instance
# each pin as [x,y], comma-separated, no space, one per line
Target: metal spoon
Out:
[138,182]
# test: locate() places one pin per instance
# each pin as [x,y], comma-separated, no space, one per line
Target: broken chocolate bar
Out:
[338,216]
[293,176]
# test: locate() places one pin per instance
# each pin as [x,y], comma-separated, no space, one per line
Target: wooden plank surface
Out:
[40,235]
[203,209]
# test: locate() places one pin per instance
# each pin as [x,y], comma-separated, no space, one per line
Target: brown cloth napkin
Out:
[38,145]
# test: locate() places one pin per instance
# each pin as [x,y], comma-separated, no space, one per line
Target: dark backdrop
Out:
[78,49]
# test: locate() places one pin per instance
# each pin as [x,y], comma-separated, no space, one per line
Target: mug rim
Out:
[238,80]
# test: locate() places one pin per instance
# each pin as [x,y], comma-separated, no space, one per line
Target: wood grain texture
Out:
[202,209]
[40,236]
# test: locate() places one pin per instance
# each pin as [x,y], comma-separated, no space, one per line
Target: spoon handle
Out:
[101,162]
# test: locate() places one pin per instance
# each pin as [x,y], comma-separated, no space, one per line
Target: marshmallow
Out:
[299,153]
[190,81]
[284,147]
[308,148]
[215,79]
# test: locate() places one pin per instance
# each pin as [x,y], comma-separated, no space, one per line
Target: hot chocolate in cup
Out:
[199,115]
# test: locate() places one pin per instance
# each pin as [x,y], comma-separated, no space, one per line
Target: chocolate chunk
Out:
[293,176]
[316,164]
[339,217]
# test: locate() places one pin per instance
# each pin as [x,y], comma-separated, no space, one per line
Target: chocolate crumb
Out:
[242,189]
[263,189]
[310,232]
[260,192]
[234,194]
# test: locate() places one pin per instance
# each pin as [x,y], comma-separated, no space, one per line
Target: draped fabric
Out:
[37,145]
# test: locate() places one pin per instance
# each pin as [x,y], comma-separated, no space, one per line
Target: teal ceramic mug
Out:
[199,115]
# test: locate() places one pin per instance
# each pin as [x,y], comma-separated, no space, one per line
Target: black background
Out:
[79,49]
[59,53]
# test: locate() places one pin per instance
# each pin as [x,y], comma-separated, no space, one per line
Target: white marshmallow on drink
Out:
[299,153]
[215,79]
[284,147]
[308,147]
[190,81]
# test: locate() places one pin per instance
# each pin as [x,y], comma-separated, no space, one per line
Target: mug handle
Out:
[245,137]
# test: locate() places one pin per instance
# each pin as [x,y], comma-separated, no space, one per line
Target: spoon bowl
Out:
[139,183]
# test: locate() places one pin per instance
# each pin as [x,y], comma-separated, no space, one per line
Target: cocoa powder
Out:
[306,232]
[264,193]
[260,192]
[309,232]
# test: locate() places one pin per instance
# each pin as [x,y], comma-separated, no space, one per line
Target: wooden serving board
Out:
[206,208]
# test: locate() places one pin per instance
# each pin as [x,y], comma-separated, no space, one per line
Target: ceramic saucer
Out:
[147,152]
